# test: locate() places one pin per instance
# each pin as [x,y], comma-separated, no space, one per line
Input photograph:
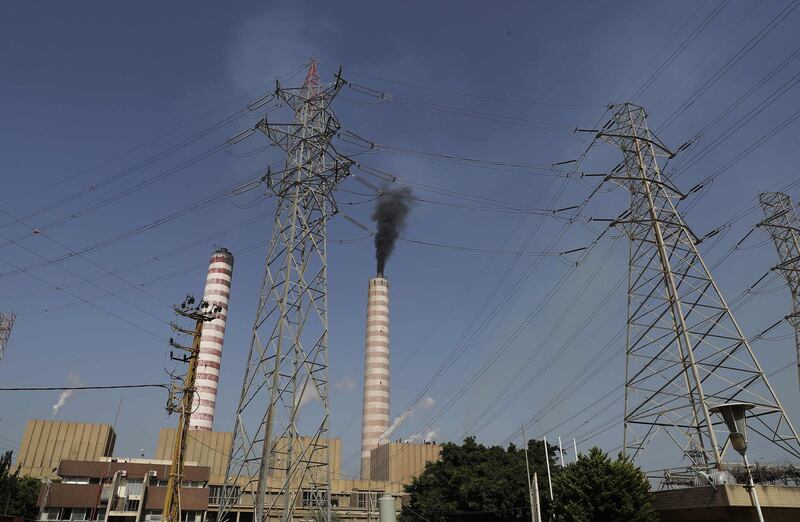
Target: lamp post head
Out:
[733,413]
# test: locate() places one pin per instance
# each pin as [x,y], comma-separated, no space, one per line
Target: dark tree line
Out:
[18,495]
[473,482]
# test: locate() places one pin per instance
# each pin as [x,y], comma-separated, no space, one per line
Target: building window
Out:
[217,494]
[367,499]
[152,515]
[79,514]
[99,514]
[135,487]
[313,498]
[76,480]
[131,505]
[191,516]
[51,513]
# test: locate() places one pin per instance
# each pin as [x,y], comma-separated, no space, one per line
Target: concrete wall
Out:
[400,461]
[211,448]
[727,503]
[206,448]
[47,442]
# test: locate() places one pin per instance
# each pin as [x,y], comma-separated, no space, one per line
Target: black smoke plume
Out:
[389,215]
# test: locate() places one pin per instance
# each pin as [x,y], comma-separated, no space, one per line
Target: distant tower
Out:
[6,323]
[375,416]
[783,226]
[217,292]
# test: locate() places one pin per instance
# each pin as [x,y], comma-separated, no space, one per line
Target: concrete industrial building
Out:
[46,443]
[86,482]
[375,415]
[400,462]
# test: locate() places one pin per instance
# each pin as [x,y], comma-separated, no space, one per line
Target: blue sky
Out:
[94,84]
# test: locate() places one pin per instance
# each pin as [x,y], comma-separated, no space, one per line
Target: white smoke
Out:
[428,436]
[64,396]
[62,400]
[346,385]
[431,435]
[308,394]
[396,424]
[428,403]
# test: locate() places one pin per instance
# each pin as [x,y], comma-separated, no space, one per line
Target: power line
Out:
[681,47]
[448,109]
[153,140]
[755,40]
[475,96]
[98,387]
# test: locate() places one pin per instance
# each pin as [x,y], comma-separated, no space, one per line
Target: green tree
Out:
[18,495]
[596,488]
[473,482]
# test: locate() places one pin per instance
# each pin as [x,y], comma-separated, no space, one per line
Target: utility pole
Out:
[288,358]
[782,225]
[528,475]
[181,397]
[685,351]
[547,462]
[538,517]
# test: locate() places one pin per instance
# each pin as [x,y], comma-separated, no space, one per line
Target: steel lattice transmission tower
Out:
[288,359]
[6,324]
[685,350]
[783,227]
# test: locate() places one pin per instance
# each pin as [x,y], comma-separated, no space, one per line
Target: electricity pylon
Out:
[287,365]
[782,225]
[685,350]
[6,324]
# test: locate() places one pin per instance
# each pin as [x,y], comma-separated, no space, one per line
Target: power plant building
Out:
[46,443]
[401,461]
[109,489]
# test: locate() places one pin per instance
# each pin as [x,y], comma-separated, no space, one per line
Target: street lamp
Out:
[733,413]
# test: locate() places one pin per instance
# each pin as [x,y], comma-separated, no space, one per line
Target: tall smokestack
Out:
[217,292]
[375,417]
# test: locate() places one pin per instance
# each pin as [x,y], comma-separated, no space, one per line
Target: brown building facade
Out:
[120,490]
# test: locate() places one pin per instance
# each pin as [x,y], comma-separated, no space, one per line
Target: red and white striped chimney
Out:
[375,416]
[217,292]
